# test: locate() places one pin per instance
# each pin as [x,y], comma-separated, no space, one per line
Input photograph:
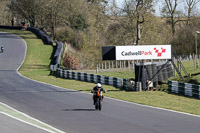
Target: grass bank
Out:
[36,66]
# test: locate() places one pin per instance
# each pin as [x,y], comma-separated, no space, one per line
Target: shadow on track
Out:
[79,110]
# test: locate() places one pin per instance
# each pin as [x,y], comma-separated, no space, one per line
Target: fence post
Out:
[112,65]
[97,69]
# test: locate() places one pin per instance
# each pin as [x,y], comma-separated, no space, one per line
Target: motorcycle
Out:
[98,95]
[2,49]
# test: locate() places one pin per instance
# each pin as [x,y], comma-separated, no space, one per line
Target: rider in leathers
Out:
[2,48]
[96,89]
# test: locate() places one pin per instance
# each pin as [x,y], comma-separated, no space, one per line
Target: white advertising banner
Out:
[143,52]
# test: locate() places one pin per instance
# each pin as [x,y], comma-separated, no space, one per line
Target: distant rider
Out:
[2,48]
[95,89]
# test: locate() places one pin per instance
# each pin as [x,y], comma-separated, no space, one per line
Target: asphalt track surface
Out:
[72,111]
[10,125]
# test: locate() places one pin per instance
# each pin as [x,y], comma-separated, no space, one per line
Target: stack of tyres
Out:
[165,73]
[160,74]
[157,71]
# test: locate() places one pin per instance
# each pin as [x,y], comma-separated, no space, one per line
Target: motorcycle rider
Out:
[96,88]
[2,48]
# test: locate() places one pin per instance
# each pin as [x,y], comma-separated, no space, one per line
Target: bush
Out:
[71,62]
[70,36]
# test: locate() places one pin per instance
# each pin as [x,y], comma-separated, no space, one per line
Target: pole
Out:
[196,48]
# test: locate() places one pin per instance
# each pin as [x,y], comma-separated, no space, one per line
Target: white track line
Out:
[29,117]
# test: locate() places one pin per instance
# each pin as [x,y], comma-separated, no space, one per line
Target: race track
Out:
[72,111]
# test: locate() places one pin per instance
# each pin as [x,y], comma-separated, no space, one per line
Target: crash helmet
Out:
[98,85]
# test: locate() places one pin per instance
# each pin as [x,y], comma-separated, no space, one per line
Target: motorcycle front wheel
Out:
[100,105]
[97,104]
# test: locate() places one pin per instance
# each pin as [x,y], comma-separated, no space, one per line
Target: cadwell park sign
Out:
[141,52]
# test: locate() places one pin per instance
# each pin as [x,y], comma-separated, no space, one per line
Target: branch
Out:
[180,20]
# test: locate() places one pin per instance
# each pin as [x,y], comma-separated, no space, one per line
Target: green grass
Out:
[122,74]
[36,67]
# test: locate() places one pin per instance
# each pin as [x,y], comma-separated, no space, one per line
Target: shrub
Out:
[71,62]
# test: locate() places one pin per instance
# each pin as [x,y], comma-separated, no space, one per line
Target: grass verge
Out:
[36,67]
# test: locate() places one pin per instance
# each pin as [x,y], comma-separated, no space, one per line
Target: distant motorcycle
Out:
[2,49]
[98,99]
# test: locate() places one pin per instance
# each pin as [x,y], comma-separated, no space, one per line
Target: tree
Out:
[142,8]
[132,17]
[26,9]
[5,16]
[52,13]
[173,15]
[190,6]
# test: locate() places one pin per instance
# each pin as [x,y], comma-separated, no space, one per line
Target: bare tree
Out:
[142,8]
[190,6]
[170,11]
[132,16]
[52,13]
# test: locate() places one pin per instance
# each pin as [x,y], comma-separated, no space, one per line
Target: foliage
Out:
[79,23]
[25,9]
[5,16]
[70,36]
[184,42]
[89,25]
[71,62]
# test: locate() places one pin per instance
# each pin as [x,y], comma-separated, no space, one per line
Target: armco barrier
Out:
[11,27]
[41,35]
[93,78]
[186,89]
